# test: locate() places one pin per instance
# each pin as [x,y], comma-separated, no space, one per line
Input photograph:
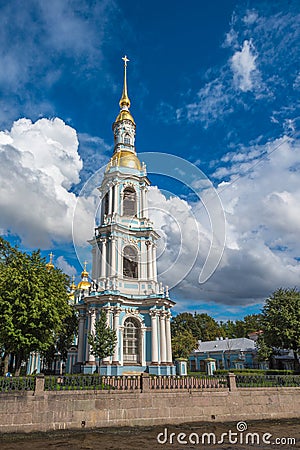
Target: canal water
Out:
[279,434]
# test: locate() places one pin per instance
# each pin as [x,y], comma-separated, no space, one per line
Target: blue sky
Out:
[215,83]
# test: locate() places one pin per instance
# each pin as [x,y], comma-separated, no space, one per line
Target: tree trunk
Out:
[5,363]
[11,362]
[18,364]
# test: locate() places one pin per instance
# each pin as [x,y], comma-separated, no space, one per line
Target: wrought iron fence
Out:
[9,384]
[92,382]
[137,383]
[178,383]
[267,380]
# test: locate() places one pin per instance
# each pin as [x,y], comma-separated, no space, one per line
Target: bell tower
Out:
[124,246]
[124,270]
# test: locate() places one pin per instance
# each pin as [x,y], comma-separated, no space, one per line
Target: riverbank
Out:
[260,435]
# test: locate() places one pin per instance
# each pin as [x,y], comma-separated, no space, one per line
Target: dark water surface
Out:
[279,436]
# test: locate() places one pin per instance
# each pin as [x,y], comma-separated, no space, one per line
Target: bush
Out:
[255,372]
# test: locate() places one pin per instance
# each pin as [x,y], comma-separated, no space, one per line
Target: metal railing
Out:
[9,384]
[144,382]
[186,382]
[92,382]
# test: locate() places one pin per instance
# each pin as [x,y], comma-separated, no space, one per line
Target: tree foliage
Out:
[201,326]
[33,302]
[281,319]
[183,343]
[104,339]
[264,351]
[242,328]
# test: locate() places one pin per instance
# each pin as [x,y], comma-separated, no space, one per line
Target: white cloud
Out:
[263,53]
[62,264]
[42,45]
[244,67]
[261,200]
[39,163]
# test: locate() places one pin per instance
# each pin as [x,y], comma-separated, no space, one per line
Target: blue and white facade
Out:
[124,269]
[238,353]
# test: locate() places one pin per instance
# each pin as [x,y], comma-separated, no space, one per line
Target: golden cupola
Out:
[50,264]
[84,283]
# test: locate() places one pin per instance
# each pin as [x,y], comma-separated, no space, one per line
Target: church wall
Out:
[68,410]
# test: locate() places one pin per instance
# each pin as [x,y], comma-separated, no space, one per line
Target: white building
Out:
[124,271]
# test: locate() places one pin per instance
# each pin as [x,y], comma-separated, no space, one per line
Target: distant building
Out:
[236,353]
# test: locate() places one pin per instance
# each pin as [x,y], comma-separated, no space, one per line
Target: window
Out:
[130,262]
[105,204]
[131,341]
[127,139]
[129,202]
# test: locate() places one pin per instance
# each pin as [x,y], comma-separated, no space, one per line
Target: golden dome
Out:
[84,285]
[124,158]
[50,264]
[124,115]
[73,285]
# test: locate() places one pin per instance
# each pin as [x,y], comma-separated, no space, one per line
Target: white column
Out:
[113,257]
[80,339]
[116,328]
[116,199]
[121,336]
[143,346]
[94,259]
[154,343]
[163,355]
[103,259]
[92,331]
[154,262]
[149,261]
[168,339]
[143,261]
[144,198]
[143,201]
[97,274]
[110,200]
[87,345]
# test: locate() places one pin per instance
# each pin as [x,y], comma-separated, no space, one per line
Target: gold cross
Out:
[126,60]
[85,264]
[51,257]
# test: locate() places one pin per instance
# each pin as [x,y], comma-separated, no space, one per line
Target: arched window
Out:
[105,204]
[129,202]
[131,341]
[130,262]
[127,139]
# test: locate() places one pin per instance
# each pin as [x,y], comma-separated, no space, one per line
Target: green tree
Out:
[33,303]
[281,320]
[264,351]
[183,343]
[64,339]
[104,339]
[201,326]
[241,328]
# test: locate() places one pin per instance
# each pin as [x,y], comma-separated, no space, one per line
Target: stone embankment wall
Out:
[51,410]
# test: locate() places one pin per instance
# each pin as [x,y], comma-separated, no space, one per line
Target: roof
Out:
[222,345]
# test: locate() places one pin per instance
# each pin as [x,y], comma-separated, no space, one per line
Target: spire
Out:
[124,102]
[125,99]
